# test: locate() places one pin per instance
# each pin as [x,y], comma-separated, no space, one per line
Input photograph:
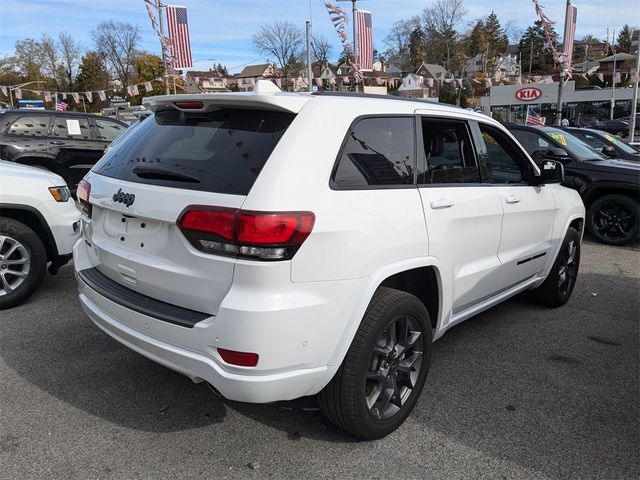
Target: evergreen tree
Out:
[497,42]
[533,51]
[624,39]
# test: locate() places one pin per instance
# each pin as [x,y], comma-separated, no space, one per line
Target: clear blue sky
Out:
[222,29]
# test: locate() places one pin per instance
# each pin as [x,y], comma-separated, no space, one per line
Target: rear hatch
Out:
[197,153]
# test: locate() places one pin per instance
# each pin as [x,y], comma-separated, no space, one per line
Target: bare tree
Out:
[321,49]
[442,21]
[283,40]
[49,58]
[399,38]
[70,53]
[117,42]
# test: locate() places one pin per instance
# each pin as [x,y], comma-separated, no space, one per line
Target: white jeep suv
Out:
[281,245]
[39,223]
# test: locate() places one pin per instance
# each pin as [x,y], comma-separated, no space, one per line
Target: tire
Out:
[614,220]
[23,261]
[383,373]
[556,290]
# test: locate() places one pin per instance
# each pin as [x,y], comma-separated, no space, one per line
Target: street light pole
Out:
[355,39]
[634,105]
[309,69]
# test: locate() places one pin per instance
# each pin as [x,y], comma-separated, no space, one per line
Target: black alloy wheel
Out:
[383,373]
[557,288]
[394,368]
[568,267]
[613,219]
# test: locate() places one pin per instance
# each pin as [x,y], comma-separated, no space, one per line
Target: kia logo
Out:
[126,198]
[528,94]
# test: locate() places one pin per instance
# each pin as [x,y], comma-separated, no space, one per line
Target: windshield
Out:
[619,143]
[573,145]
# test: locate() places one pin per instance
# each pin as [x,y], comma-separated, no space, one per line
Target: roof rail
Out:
[380,97]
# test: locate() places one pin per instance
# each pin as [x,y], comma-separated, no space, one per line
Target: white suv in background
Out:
[39,223]
[280,245]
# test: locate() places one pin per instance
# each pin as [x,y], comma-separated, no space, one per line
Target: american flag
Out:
[60,105]
[179,35]
[533,118]
[365,40]
[569,34]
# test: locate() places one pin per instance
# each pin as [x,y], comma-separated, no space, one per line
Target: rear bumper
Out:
[294,328]
[234,386]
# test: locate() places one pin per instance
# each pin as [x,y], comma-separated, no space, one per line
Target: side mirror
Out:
[609,151]
[551,171]
[557,152]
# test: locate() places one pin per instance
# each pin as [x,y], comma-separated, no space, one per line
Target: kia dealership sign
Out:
[528,94]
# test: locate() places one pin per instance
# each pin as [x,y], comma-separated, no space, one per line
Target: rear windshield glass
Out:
[221,151]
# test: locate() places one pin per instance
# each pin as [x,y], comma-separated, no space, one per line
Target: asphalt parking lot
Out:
[520,391]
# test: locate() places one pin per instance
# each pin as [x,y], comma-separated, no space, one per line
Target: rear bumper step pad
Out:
[138,302]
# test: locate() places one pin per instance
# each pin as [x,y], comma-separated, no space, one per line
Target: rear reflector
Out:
[259,235]
[243,359]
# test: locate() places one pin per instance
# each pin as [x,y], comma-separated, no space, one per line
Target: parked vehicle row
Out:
[609,145]
[274,249]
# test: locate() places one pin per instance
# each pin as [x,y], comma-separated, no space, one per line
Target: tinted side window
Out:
[378,151]
[448,152]
[35,126]
[71,128]
[107,130]
[504,163]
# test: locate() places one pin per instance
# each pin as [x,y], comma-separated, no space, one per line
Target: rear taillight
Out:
[82,193]
[257,235]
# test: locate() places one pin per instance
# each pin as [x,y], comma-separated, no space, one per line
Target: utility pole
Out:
[634,105]
[309,69]
[558,119]
[530,59]
[164,53]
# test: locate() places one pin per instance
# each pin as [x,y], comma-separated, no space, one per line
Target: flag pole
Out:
[164,53]
[558,120]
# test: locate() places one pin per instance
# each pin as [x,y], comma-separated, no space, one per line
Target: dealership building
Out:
[508,103]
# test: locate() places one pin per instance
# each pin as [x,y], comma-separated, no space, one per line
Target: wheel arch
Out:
[595,192]
[404,276]
[33,219]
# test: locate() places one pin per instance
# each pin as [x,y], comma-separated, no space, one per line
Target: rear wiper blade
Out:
[155,173]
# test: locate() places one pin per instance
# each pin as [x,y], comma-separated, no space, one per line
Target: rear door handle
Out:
[56,142]
[442,203]
[512,199]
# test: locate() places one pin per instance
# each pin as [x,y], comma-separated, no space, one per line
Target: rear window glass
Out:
[221,151]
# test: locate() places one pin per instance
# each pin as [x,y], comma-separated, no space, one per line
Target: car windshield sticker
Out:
[73,127]
[558,137]
[611,138]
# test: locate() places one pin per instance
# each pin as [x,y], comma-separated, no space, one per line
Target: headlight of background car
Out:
[61,194]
